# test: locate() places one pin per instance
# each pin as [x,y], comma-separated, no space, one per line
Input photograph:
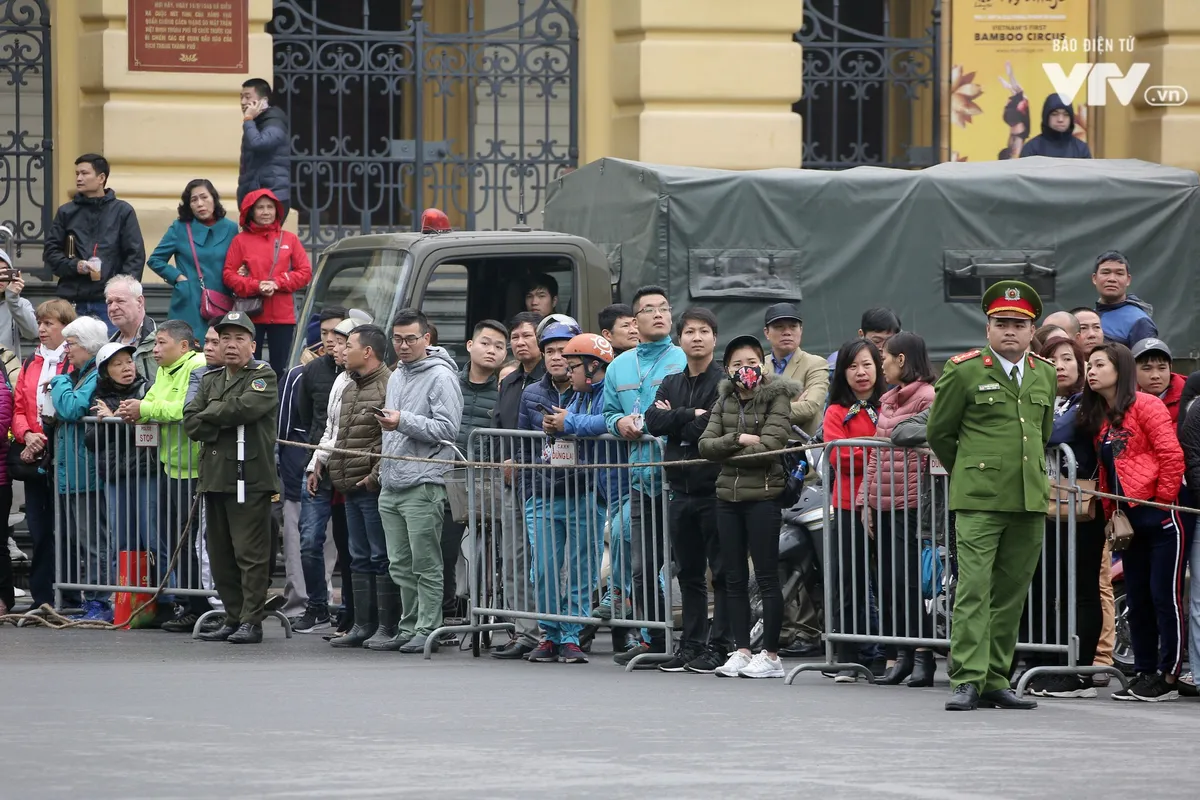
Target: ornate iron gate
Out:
[390,114]
[26,105]
[869,97]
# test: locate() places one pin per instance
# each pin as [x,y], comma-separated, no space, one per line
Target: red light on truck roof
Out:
[434,220]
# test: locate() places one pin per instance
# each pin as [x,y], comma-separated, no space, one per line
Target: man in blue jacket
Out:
[266,146]
[572,542]
[629,391]
[1124,317]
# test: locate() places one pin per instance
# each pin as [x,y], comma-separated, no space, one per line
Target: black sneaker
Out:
[679,661]
[315,619]
[1155,689]
[706,662]
[1187,686]
[182,623]
[1127,693]
[1067,686]
[1037,686]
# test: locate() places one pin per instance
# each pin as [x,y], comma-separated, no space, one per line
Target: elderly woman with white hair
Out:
[85,528]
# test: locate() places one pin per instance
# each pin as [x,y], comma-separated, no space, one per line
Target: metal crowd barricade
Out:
[537,512]
[907,571]
[125,493]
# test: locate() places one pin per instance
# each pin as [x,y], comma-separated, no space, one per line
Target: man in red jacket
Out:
[1154,375]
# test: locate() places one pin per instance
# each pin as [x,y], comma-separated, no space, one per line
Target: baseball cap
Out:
[781,311]
[235,319]
[109,350]
[1151,345]
[744,341]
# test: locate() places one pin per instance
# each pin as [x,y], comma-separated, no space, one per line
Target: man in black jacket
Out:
[680,413]
[93,238]
[266,146]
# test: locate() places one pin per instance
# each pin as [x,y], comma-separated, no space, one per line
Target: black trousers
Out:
[898,590]
[452,533]
[174,504]
[1046,619]
[7,589]
[696,548]
[39,515]
[278,341]
[647,545]
[341,540]
[848,559]
[239,552]
[752,529]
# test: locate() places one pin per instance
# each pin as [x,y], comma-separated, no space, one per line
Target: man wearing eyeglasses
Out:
[630,387]
[424,410]
[783,328]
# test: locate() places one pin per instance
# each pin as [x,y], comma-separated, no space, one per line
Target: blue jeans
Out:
[566,535]
[132,506]
[85,538]
[95,308]
[620,578]
[368,544]
[315,511]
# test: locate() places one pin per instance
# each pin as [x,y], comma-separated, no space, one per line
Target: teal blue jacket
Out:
[72,395]
[630,386]
[211,245]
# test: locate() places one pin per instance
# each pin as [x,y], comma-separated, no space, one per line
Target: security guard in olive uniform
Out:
[239,402]
[989,425]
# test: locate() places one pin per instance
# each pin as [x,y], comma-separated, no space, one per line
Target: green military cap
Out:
[235,319]
[1012,299]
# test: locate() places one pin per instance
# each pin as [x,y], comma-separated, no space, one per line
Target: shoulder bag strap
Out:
[275,258]
[195,258]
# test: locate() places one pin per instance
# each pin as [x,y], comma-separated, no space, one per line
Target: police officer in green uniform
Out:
[236,406]
[989,426]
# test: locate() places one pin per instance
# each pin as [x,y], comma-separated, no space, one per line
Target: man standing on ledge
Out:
[989,425]
[236,403]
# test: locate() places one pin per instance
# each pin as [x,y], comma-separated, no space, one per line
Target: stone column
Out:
[706,83]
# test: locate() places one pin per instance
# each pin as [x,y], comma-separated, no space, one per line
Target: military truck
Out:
[456,277]
[926,243]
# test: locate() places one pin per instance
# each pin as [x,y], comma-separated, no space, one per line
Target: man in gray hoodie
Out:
[423,414]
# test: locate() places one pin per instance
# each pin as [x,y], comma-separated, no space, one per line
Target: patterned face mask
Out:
[747,377]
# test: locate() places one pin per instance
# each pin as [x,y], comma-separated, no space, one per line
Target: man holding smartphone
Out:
[266,147]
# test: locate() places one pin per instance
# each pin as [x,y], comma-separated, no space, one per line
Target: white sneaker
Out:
[15,553]
[736,663]
[762,666]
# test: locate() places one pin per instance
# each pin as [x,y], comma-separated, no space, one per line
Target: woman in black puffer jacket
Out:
[751,415]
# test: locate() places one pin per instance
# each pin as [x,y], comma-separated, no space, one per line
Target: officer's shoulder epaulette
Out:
[1041,358]
[967,356]
[261,365]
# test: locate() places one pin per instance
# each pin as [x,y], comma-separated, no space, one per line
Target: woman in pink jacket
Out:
[889,495]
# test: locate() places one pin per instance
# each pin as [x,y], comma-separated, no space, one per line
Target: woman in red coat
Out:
[268,262]
[853,410]
[1140,458]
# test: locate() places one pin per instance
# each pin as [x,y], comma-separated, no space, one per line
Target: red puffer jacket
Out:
[254,247]
[893,474]
[1146,452]
[849,462]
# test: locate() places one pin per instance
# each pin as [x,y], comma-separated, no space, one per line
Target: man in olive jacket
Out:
[240,401]
[989,426]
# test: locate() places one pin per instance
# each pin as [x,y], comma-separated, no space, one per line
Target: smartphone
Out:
[379,412]
[9,274]
[541,409]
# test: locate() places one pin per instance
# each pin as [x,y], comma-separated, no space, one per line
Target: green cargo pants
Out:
[238,539]
[997,555]
[412,524]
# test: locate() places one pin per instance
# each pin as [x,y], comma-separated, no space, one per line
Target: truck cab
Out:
[456,277]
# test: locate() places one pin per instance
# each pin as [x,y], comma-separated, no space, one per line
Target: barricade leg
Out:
[546,522]
[649,533]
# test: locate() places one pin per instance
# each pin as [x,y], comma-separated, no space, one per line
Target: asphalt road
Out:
[144,714]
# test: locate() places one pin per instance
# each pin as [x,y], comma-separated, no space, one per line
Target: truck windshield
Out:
[369,281]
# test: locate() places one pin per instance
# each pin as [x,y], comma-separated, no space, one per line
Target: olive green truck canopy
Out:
[925,243]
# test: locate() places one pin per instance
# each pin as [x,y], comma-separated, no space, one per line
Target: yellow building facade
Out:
[701,82]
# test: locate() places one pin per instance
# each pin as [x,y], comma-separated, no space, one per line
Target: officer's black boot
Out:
[388,596]
[364,612]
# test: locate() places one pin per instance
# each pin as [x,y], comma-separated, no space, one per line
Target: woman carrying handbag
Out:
[1140,458]
[1051,586]
[197,242]
[264,266]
